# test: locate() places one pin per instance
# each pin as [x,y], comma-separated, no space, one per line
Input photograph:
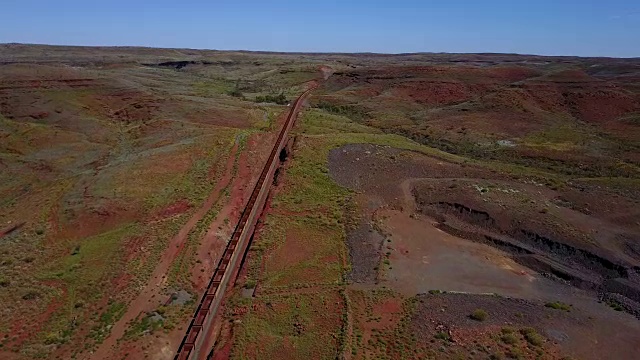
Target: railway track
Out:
[228,265]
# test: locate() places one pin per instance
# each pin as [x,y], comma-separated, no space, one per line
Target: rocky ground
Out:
[442,229]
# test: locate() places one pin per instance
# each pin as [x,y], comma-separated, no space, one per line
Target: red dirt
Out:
[224,352]
[371,315]
[235,211]
[90,223]
[326,71]
[294,250]
[179,207]
[150,297]
[126,106]
[220,230]
[434,93]
[27,328]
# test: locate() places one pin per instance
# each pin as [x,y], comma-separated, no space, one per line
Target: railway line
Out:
[229,263]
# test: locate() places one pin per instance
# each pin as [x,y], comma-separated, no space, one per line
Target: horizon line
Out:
[322,52]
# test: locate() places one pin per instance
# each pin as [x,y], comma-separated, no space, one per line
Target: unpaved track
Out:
[192,346]
[144,301]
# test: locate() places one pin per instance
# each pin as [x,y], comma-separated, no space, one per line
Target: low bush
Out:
[31,295]
[532,336]
[479,315]
[278,99]
[558,306]
[250,284]
[510,339]
[614,305]
[442,336]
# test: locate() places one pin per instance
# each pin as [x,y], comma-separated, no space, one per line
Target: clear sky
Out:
[547,27]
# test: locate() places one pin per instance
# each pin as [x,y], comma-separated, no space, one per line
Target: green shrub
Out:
[349,111]
[507,330]
[532,336]
[558,306]
[31,295]
[161,310]
[280,99]
[442,336]
[613,304]
[479,315]
[53,338]
[250,284]
[235,93]
[510,339]
[515,353]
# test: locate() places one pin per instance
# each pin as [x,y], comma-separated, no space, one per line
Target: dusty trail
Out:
[150,296]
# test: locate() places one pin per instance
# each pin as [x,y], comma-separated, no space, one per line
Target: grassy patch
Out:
[315,122]
[107,318]
[302,326]
[148,323]
[195,184]
[309,188]
[212,87]
[396,340]
[306,251]
[532,336]
[86,275]
[560,137]
[180,271]
[349,111]
[557,305]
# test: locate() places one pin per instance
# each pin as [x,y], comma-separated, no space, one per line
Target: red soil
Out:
[97,221]
[219,233]
[126,106]
[177,208]
[433,93]
[212,245]
[223,353]
[150,297]
[26,328]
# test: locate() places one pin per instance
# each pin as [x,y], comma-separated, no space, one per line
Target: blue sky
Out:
[547,27]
